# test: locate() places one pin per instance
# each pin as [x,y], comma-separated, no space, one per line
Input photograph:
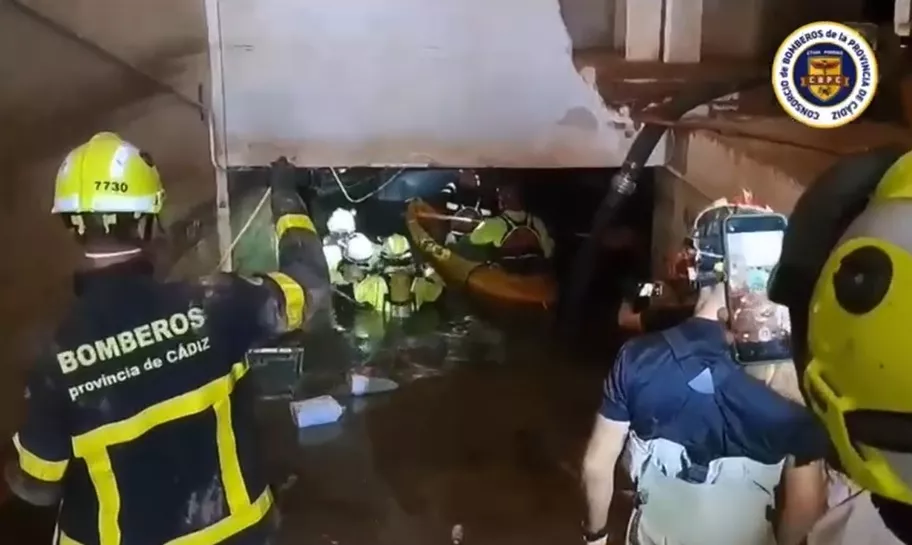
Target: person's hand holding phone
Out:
[725,321]
[751,247]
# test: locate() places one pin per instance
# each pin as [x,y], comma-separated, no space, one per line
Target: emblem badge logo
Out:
[825,75]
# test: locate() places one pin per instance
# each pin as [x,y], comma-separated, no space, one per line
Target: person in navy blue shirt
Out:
[706,442]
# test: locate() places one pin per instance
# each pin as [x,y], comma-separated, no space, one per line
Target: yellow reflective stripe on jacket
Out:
[63,539]
[218,532]
[93,447]
[225,528]
[295,301]
[38,467]
[527,223]
[293,221]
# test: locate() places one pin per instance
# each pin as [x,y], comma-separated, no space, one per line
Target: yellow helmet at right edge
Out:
[107,175]
[846,276]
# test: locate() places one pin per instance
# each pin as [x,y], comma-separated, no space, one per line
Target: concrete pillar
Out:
[683,31]
[620,25]
[643,35]
[902,15]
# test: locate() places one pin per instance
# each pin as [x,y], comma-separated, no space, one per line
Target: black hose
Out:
[624,184]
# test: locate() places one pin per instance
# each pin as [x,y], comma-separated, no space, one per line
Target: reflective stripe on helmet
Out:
[107,175]
[150,204]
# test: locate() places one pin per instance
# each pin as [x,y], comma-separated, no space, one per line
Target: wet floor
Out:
[491,446]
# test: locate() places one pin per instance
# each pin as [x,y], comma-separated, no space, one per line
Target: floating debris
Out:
[316,411]
[287,484]
[363,384]
[457,534]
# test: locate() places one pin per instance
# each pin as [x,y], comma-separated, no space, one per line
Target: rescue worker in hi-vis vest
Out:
[706,442]
[515,238]
[398,288]
[462,200]
[139,422]
[845,274]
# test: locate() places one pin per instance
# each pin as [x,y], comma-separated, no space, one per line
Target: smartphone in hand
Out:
[644,294]
[752,245]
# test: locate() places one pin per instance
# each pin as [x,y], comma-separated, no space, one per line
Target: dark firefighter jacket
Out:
[142,410]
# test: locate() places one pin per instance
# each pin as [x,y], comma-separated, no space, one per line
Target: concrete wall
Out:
[756,28]
[677,204]
[55,94]
[731,28]
[706,166]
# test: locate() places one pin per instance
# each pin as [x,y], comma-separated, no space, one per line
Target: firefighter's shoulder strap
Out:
[527,224]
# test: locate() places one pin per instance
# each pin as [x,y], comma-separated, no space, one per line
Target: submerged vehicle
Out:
[486,281]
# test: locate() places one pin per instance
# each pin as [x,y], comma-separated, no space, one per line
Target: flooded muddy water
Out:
[489,449]
[493,447]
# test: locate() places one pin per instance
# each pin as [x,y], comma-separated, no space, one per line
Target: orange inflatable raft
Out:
[488,282]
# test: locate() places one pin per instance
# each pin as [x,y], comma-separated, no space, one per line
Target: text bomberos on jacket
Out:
[175,326]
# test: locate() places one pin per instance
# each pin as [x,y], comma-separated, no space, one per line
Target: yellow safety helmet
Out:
[846,276]
[108,175]
[396,247]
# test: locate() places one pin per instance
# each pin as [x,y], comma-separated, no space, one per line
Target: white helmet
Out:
[333,255]
[359,249]
[341,222]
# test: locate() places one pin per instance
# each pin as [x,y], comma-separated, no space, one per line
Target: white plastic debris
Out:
[457,534]
[363,384]
[316,411]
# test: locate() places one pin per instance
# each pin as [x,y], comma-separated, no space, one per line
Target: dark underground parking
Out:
[212,336]
[466,419]
[485,433]
[487,429]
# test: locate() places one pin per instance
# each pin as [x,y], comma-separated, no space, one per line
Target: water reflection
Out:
[484,432]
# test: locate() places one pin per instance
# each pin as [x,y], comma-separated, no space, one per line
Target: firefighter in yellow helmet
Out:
[139,423]
[400,287]
[846,276]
